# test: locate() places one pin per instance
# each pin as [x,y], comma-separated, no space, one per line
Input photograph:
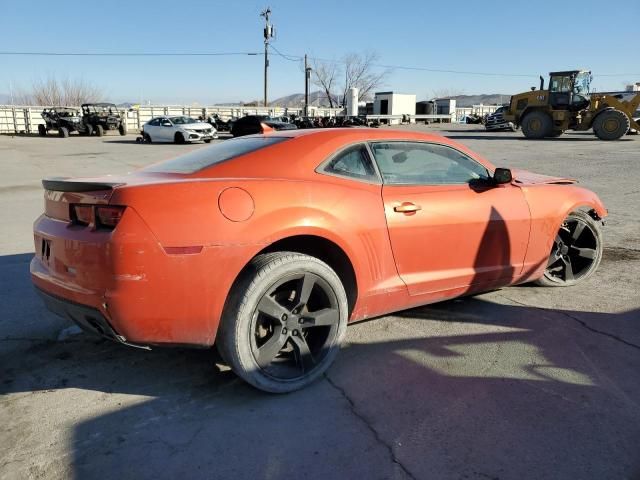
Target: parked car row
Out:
[93,118]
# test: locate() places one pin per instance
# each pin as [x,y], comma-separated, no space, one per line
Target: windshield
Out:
[182,120]
[220,152]
[581,83]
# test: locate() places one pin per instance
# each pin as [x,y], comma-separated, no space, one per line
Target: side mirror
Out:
[502,175]
[166,124]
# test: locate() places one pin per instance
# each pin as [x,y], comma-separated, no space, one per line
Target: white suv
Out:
[178,129]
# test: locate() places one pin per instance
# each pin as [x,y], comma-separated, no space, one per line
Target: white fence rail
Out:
[25,119]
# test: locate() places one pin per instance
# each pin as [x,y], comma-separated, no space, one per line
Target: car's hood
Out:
[530,178]
[195,126]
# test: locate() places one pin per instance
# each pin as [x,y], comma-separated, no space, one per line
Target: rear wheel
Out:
[576,252]
[63,132]
[178,138]
[283,321]
[611,125]
[122,129]
[42,130]
[99,130]
[537,125]
[208,140]
[556,133]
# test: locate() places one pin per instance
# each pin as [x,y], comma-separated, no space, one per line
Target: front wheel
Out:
[611,125]
[99,130]
[42,130]
[63,132]
[283,321]
[178,138]
[576,252]
[122,129]
[537,124]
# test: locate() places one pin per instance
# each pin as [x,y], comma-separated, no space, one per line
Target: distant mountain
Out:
[318,99]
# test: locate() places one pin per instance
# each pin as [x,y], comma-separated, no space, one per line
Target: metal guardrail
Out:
[25,119]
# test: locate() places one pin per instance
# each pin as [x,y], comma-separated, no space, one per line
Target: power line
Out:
[298,58]
[130,54]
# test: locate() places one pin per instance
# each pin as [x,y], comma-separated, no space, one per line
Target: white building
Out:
[390,103]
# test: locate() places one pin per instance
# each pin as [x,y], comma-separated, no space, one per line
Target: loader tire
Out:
[537,125]
[611,125]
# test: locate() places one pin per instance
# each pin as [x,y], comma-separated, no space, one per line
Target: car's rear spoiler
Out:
[67,185]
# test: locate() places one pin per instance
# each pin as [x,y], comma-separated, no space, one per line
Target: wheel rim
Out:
[611,125]
[294,325]
[574,252]
[535,124]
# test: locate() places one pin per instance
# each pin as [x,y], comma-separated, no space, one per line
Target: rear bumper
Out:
[126,278]
[88,319]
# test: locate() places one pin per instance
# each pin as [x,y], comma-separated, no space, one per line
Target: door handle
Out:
[407,207]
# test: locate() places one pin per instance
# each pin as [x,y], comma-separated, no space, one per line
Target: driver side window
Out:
[414,163]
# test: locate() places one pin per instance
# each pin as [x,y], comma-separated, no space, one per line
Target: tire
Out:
[146,137]
[576,252]
[63,132]
[208,140]
[611,125]
[275,351]
[99,130]
[178,138]
[537,124]
[42,130]
[89,128]
[122,129]
[556,133]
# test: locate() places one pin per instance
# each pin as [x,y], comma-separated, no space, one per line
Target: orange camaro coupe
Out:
[268,245]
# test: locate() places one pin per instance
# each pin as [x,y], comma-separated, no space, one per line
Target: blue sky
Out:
[514,37]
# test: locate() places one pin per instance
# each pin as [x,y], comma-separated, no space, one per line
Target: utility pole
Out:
[268,33]
[307,77]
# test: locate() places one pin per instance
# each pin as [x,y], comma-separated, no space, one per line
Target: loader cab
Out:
[569,90]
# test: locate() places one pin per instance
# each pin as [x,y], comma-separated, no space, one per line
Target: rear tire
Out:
[576,252]
[611,125]
[42,130]
[556,133]
[63,132]
[178,138]
[536,125]
[99,130]
[122,129]
[208,140]
[283,321]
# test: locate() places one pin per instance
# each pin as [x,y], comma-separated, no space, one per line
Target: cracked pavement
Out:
[524,382]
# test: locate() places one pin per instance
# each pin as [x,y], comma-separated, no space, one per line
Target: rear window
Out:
[208,156]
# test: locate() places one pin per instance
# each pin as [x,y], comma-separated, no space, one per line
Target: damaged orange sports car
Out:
[268,245]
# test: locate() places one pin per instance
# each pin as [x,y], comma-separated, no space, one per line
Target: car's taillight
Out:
[108,216]
[81,214]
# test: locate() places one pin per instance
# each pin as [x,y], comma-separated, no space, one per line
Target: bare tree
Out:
[324,75]
[360,72]
[54,92]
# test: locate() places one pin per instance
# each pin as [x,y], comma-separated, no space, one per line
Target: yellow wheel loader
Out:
[568,104]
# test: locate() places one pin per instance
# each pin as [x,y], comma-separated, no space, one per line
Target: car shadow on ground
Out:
[467,388]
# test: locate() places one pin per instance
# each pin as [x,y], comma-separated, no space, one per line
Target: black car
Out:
[252,124]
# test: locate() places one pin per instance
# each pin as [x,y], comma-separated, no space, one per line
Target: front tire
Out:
[283,322]
[536,125]
[611,125]
[122,129]
[99,130]
[42,130]
[576,252]
[178,138]
[63,132]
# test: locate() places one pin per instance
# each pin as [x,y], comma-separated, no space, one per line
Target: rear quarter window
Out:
[214,154]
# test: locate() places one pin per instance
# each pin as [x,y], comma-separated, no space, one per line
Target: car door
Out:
[449,226]
[151,129]
[167,129]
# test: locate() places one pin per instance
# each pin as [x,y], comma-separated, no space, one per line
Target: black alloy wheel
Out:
[283,321]
[576,251]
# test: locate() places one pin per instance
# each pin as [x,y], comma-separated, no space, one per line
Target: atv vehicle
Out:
[101,117]
[63,119]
